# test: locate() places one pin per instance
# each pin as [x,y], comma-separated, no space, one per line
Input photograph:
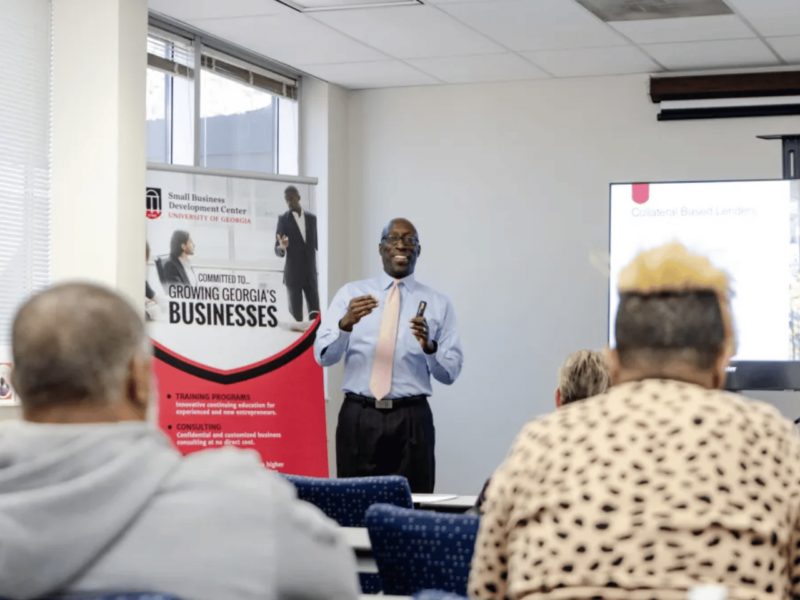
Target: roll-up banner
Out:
[232,299]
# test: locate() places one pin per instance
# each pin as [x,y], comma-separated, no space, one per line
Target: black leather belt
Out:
[385,404]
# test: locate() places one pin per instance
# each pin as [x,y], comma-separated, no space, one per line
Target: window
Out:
[25,102]
[248,117]
[170,100]
[238,129]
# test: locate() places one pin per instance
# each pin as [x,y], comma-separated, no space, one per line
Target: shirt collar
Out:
[295,215]
[386,281]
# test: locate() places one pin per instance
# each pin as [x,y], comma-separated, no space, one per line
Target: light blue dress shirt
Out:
[412,370]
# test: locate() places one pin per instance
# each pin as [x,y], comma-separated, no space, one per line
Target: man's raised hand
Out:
[357,309]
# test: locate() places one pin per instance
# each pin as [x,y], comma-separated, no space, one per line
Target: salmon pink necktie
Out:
[380,383]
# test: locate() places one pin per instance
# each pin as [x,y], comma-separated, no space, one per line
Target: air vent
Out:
[308,6]
[640,10]
[727,96]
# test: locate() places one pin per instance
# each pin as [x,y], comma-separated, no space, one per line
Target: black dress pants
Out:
[395,441]
[311,291]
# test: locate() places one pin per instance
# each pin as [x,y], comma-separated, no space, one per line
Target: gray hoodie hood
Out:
[67,492]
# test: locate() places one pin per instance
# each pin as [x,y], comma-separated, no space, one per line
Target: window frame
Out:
[224,59]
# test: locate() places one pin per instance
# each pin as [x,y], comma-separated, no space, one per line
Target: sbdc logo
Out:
[153,197]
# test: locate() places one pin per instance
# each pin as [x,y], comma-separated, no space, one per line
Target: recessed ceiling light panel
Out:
[640,10]
[307,6]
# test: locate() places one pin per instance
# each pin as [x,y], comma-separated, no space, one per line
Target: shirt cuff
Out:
[432,358]
[342,338]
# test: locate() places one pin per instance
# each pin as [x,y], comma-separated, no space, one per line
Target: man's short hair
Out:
[584,374]
[291,190]
[179,238]
[670,327]
[74,342]
[388,226]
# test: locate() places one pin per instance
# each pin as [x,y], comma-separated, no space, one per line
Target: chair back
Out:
[417,549]
[346,500]
[162,276]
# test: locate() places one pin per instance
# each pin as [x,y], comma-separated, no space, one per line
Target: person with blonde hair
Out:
[583,374]
[663,483]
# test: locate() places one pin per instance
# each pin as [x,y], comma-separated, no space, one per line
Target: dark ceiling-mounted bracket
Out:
[791,153]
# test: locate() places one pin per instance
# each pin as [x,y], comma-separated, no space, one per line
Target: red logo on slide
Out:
[641,192]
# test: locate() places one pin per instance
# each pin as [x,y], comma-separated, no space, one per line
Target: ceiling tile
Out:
[787,47]
[696,29]
[486,67]
[192,10]
[770,17]
[409,31]
[290,38]
[585,62]
[379,74]
[536,25]
[711,55]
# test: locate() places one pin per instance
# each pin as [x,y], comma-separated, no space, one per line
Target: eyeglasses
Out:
[408,240]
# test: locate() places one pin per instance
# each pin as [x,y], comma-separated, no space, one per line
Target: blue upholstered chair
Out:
[346,500]
[437,595]
[417,549]
[370,583]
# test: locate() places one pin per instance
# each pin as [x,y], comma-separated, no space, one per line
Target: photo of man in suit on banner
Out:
[296,239]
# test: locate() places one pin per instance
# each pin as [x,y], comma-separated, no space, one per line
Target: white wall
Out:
[10,413]
[99,143]
[323,131]
[508,186]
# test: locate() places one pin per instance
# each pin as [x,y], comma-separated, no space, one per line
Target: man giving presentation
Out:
[395,333]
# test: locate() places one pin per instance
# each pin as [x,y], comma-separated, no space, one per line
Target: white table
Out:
[366,565]
[444,502]
[358,539]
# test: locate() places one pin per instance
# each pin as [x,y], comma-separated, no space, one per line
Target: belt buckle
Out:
[383,404]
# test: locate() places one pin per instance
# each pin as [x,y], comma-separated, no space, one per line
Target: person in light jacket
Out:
[94,499]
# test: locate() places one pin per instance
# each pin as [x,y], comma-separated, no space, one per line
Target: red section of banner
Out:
[280,415]
[641,192]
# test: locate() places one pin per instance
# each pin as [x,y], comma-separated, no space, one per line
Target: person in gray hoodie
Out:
[94,499]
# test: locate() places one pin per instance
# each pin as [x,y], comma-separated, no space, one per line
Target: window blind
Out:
[169,54]
[175,56]
[25,103]
[242,72]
